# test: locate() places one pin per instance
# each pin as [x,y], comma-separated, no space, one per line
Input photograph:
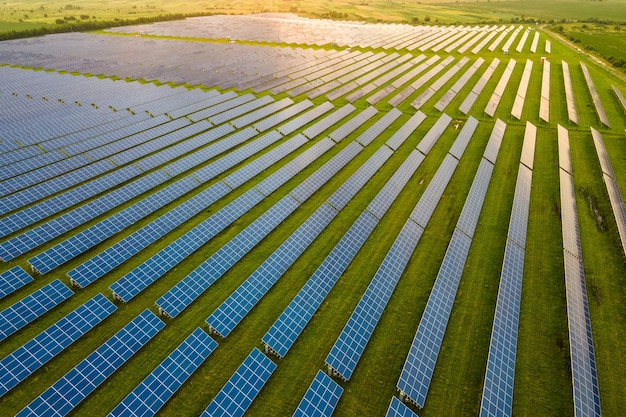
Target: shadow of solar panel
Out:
[32,306]
[158,387]
[85,377]
[398,409]
[320,399]
[242,388]
[42,348]
[12,280]
[351,343]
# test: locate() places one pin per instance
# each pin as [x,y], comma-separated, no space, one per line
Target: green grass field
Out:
[543,376]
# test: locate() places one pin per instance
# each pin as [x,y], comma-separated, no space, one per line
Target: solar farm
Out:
[270,215]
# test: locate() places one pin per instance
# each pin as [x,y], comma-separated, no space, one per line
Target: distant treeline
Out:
[81,26]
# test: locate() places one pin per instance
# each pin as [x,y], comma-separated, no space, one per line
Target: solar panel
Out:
[518,104]
[458,85]
[428,202]
[569,217]
[492,105]
[286,329]
[595,96]
[348,189]
[46,345]
[350,344]
[311,184]
[461,141]
[193,285]
[158,387]
[471,210]
[544,104]
[32,306]
[85,377]
[232,113]
[497,398]
[620,97]
[491,151]
[13,279]
[478,87]
[377,128]
[354,123]
[405,131]
[535,42]
[433,135]
[230,313]
[619,210]
[569,94]
[320,399]
[398,409]
[268,110]
[387,195]
[149,271]
[528,147]
[242,388]
[603,155]
[307,117]
[312,131]
[420,363]
[586,390]
[521,202]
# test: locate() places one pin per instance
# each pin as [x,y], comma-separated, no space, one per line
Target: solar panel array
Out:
[12,280]
[398,409]
[320,399]
[32,306]
[242,388]
[419,365]
[497,398]
[469,101]
[355,335]
[158,387]
[610,181]
[582,353]
[494,101]
[77,384]
[520,98]
[544,104]
[569,94]
[25,360]
[620,97]
[594,96]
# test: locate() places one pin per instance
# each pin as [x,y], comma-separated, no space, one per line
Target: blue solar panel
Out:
[429,200]
[242,388]
[158,387]
[377,128]
[310,185]
[387,195]
[497,399]
[351,343]
[193,285]
[62,224]
[239,110]
[521,202]
[398,409]
[29,308]
[420,363]
[493,146]
[353,124]
[124,249]
[406,130]
[460,144]
[77,244]
[328,121]
[286,329]
[320,399]
[34,354]
[297,164]
[13,279]
[348,189]
[433,135]
[85,377]
[307,117]
[471,210]
[145,274]
[244,298]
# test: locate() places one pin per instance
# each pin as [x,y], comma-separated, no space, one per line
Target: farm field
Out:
[161,167]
